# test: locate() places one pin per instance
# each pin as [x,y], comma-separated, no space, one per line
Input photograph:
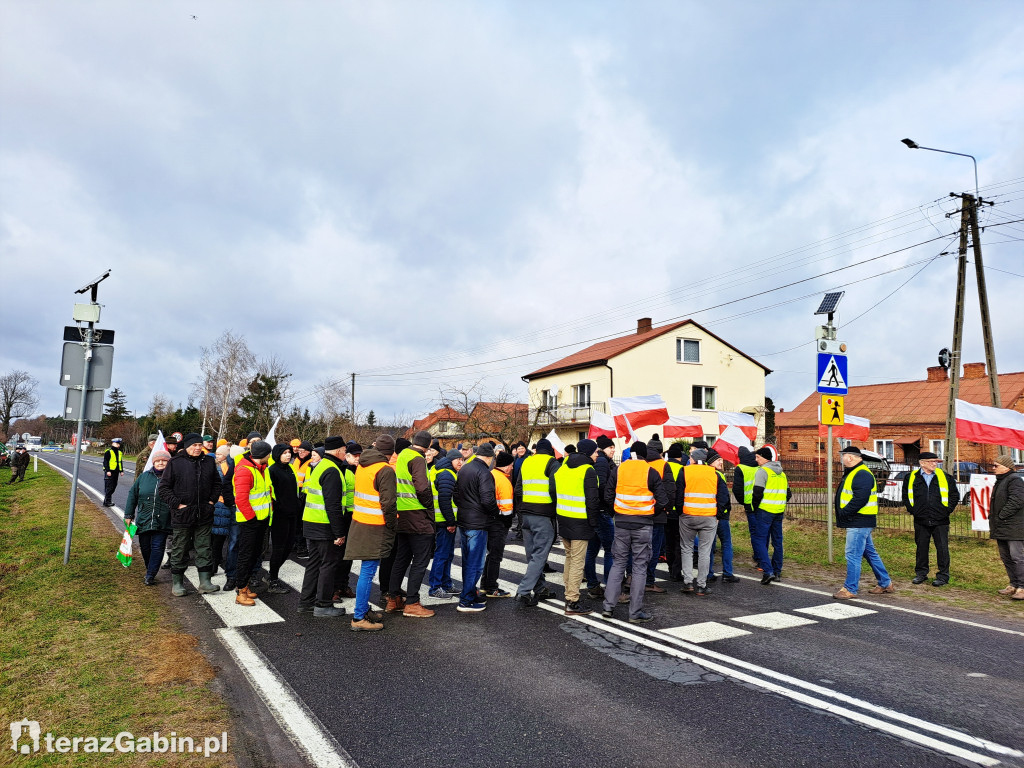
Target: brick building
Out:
[906,417]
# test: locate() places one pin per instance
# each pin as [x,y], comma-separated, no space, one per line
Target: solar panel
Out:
[829,303]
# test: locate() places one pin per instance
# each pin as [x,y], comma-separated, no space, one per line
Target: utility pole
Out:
[949,450]
[986,322]
[352,412]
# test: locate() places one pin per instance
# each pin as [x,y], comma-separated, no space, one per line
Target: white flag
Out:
[159,445]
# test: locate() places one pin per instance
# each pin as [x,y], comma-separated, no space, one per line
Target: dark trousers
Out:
[109,486]
[250,549]
[384,572]
[318,583]
[497,533]
[602,539]
[153,544]
[923,536]
[342,571]
[18,474]
[1011,552]
[412,553]
[673,549]
[181,544]
[282,537]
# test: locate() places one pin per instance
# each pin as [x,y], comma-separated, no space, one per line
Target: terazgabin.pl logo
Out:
[27,738]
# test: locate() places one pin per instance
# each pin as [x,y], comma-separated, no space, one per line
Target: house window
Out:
[793,446]
[1018,455]
[549,398]
[710,439]
[687,351]
[580,437]
[843,443]
[581,395]
[703,398]
[884,448]
[936,447]
[821,446]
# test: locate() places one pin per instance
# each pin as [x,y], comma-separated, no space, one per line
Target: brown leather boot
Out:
[392,605]
[247,592]
[242,598]
[416,610]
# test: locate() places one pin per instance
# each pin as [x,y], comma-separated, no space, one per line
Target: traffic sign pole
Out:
[831,555]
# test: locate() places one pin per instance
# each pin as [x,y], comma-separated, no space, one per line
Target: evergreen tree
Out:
[116,408]
[371,419]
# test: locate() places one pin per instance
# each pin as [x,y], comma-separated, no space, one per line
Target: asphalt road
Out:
[773,676]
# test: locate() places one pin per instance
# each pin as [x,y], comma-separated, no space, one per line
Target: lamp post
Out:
[911,144]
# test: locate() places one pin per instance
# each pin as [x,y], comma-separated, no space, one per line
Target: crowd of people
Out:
[400,507]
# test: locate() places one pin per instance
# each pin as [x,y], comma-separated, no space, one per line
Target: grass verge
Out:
[85,648]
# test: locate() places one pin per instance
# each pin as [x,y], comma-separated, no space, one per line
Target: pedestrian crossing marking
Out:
[835,611]
[705,632]
[774,620]
[832,377]
[230,612]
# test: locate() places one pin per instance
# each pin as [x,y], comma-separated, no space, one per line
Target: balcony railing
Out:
[557,415]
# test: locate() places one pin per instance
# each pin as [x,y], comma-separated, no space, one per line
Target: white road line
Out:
[705,632]
[834,611]
[773,620]
[230,612]
[303,728]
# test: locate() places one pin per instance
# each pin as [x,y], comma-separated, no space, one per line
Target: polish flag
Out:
[744,421]
[601,424]
[634,412]
[159,445]
[271,437]
[855,428]
[984,424]
[683,426]
[556,443]
[729,443]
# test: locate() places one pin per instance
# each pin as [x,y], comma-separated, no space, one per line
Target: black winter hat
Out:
[334,442]
[699,444]
[401,444]
[385,444]
[767,452]
[306,445]
[504,459]
[638,449]
[544,446]
[354,448]
[191,439]
[260,449]
[422,439]
[713,456]
[654,444]
[587,447]
[675,451]
[254,436]
[485,451]
[603,441]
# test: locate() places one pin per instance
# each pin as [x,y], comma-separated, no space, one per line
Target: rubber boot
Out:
[178,584]
[205,585]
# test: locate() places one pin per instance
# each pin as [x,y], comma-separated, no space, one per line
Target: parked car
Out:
[879,466]
[892,494]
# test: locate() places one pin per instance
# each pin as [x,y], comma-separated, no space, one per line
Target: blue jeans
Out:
[769,527]
[444,552]
[231,560]
[602,539]
[538,536]
[153,544]
[858,545]
[725,534]
[657,542]
[367,571]
[474,552]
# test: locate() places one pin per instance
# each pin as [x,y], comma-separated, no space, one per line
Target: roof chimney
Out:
[643,325]
[937,373]
[974,370]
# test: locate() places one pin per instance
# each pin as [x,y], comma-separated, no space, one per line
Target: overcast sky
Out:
[403,187]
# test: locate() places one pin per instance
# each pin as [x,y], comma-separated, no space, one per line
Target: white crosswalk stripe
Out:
[774,620]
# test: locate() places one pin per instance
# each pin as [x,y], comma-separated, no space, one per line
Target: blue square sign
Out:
[832,376]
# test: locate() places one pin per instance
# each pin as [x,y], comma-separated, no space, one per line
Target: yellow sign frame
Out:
[832,411]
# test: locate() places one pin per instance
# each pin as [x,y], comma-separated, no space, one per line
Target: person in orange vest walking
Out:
[635,492]
[700,493]
[371,536]
[497,530]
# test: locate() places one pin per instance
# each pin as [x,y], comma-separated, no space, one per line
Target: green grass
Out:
[85,648]
[975,569]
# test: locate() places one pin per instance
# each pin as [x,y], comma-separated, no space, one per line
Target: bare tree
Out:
[275,368]
[227,366]
[17,398]
[333,404]
[160,407]
[497,416]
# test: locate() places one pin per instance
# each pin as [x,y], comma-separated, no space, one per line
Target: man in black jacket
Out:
[190,487]
[1006,523]
[19,464]
[532,497]
[605,533]
[574,487]
[325,500]
[929,494]
[478,507]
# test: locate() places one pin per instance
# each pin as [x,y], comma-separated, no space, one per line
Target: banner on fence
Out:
[981,500]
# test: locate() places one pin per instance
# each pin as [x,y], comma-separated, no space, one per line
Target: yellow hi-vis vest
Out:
[406,489]
[349,480]
[632,496]
[117,465]
[943,486]
[570,499]
[701,492]
[315,510]
[432,473]
[534,479]
[775,491]
[367,509]
[748,483]
[503,491]
[261,495]
[846,494]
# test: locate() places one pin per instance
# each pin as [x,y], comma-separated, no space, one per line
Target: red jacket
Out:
[243,485]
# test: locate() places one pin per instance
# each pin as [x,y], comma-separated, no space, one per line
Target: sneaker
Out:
[471,607]
[305,608]
[641,618]
[712,578]
[1018,594]
[1008,590]
[417,611]
[229,585]
[939,583]
[576,609]
[341,594]
[687,588]
[451,589]
[529,600]
[328,612]
[365,625]
[439,594]
[549,569]
[654,588]
[149,581]
[844,594]
[497,592]
[543,593]
[702,591]
[607,613]
[767,579]
[730,578]
[277,587]
[596,593]
[880,590]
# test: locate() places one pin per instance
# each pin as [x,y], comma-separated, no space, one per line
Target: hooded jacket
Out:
[419,521]
[1006,520]
[530,508]
[287,501]
[333,486]
[445,483]
[574,528]
[603,467]
[761,478]
[194,482]
[374,542]
[145,506]
[747,459]
[475,496]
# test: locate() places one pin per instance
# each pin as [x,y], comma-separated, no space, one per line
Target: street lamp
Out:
[911,144]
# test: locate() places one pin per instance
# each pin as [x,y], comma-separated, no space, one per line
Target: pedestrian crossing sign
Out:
[832,377]
[833,410]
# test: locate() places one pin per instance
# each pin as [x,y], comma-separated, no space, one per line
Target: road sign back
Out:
[832,374]
[833,410]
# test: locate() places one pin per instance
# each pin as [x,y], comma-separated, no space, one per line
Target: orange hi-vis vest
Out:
[659,465]
[701,492]
[366,507]
[502,491]
[632,496]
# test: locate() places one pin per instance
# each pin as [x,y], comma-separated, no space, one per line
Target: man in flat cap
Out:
[856,506]
[929,494]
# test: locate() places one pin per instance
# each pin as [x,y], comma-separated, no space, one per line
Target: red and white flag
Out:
[601,424]
[729,443]
[855,428]
[683,426]
[556,443]
[634,412]
[984,424]
[744,421]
